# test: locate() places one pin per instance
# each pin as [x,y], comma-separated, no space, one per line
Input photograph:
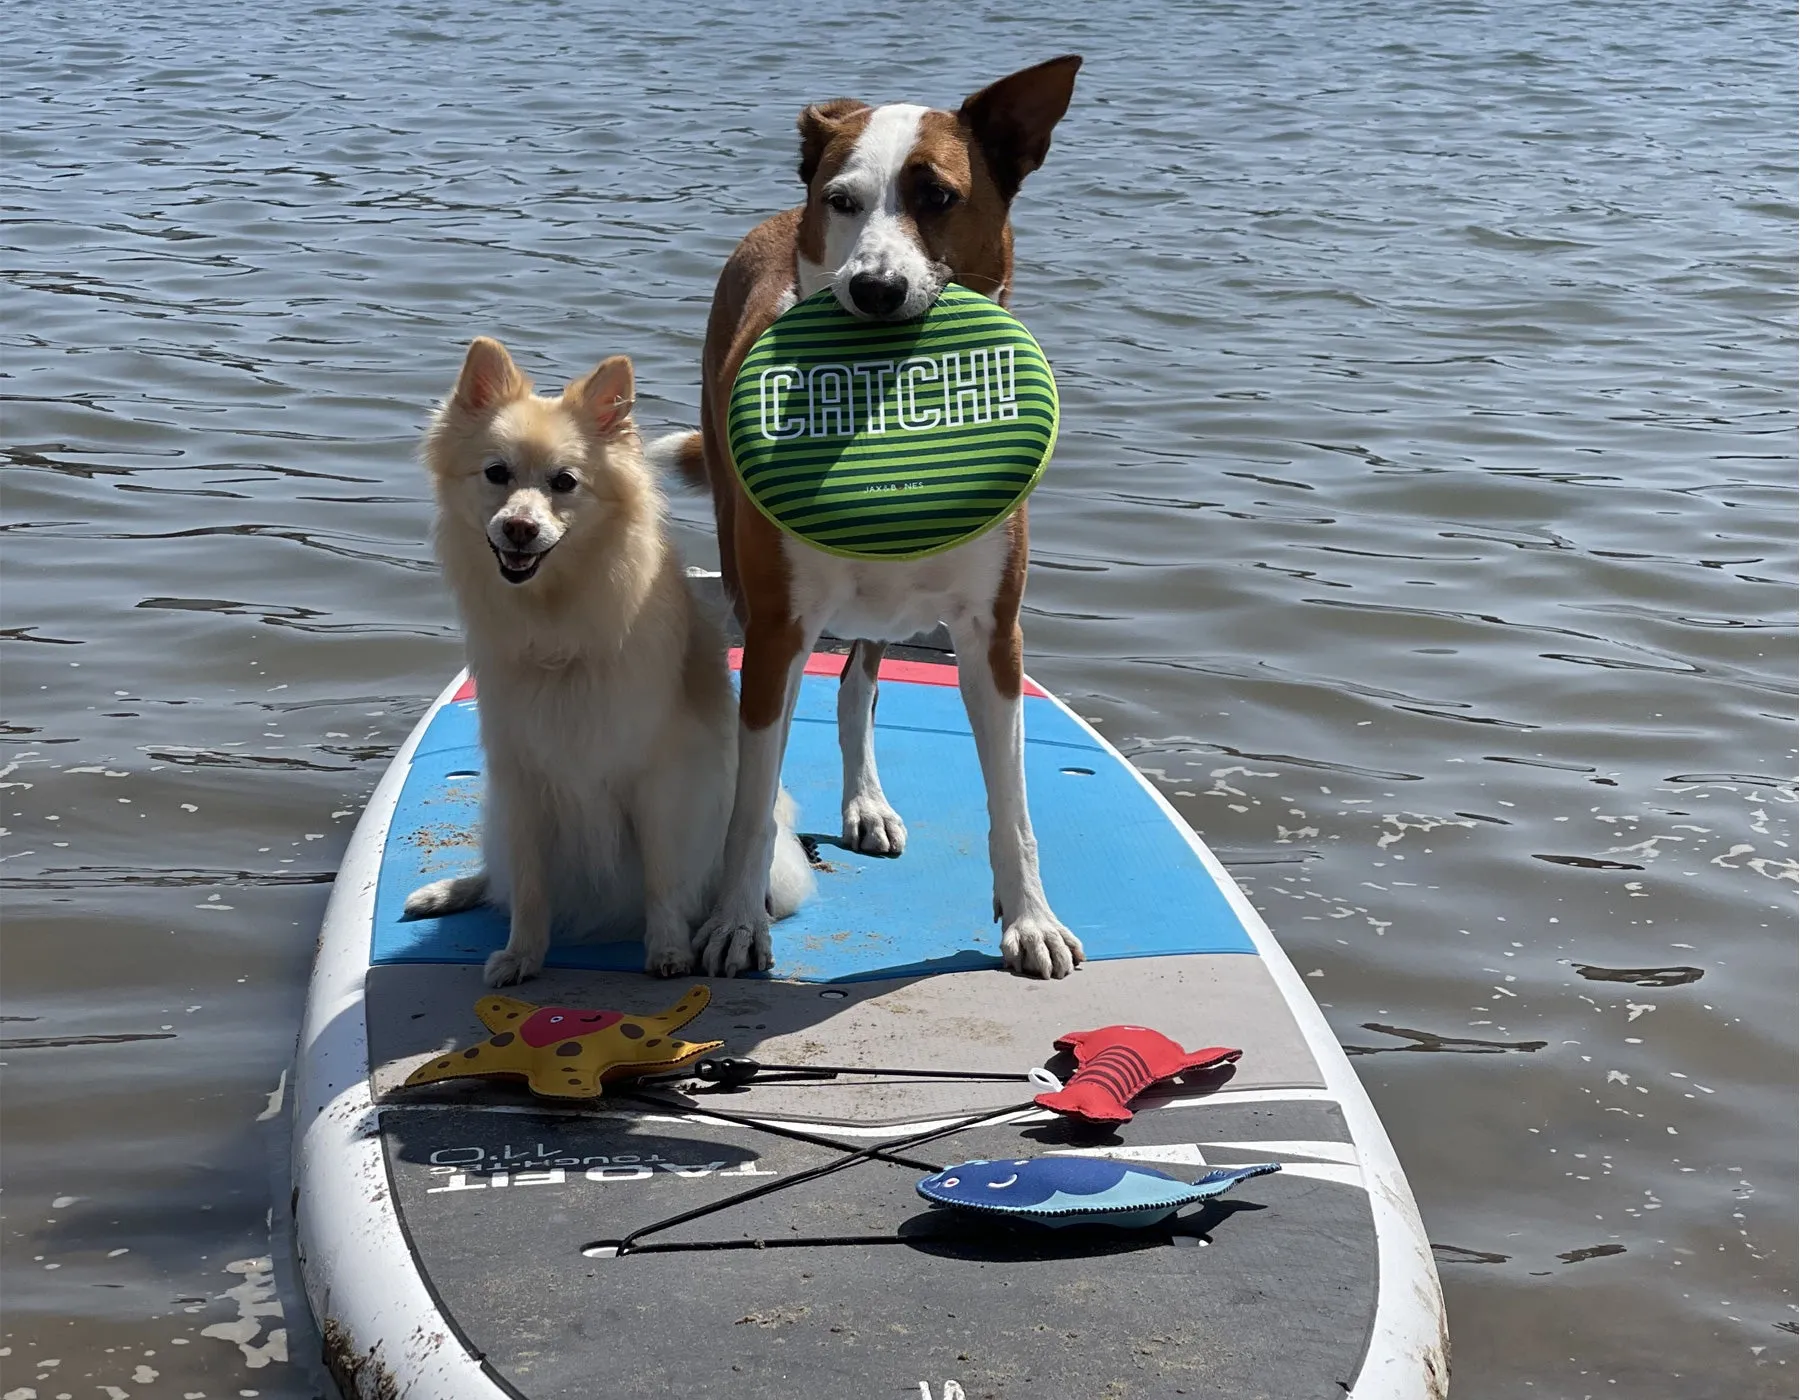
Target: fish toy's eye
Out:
[951,1181]
[556,1020]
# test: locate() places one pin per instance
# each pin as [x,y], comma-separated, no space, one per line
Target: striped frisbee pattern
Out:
[873,440]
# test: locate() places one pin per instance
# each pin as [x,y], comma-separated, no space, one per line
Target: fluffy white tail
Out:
[791,878]
[678,455]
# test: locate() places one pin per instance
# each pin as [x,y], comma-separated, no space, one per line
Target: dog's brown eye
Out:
[563,481]
[841,202]
[938,198]
[498,473]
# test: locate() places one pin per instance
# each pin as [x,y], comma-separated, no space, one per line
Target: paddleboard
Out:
[462,1241]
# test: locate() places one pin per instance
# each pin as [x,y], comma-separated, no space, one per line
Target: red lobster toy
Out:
[1119,1062]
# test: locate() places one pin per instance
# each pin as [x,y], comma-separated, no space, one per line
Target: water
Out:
[1423,522]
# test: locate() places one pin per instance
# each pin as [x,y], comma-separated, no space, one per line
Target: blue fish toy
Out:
[1077,1190]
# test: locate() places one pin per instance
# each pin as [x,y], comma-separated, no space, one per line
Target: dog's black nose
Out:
[877,293]
[520,529]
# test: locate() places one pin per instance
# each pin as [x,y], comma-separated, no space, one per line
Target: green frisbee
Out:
[877,440]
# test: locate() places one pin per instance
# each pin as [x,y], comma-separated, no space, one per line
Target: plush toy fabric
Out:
[1061,1191]
[1119,1062]
[567,1052]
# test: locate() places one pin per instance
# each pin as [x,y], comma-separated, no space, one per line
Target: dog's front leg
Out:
[871,825]
[990,673]
[735,938]
[527,839]
[665,840]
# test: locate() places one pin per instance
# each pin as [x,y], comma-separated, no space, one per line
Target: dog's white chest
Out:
[889,601]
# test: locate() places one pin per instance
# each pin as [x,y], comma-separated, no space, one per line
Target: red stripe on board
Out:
[831,663]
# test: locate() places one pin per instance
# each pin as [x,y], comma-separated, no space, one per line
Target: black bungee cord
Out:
[734,1071]
[776,1129]
[852,1155]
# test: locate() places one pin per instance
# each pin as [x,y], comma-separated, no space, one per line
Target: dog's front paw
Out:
[442,897]
[507,967]
[1037,945]
[668,955]
[872,827]
[729,944]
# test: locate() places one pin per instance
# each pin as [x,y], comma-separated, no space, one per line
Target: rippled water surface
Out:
[1423,521]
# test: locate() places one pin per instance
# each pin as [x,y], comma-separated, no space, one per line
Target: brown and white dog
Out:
[900,200]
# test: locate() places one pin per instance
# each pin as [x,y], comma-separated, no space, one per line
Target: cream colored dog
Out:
[608,721]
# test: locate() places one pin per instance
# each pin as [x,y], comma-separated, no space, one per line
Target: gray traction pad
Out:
[1277,1304]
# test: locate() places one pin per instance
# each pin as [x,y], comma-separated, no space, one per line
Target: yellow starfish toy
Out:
[566,1052]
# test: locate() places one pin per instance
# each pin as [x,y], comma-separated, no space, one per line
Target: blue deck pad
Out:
[1116,870]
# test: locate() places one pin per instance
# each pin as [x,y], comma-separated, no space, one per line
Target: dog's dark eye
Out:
[498,473]
[841,202]
[937,198]
[563,481]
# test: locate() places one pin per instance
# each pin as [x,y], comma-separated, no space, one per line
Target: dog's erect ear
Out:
[489,377]
[818,124]
[1013,118]
[604,397]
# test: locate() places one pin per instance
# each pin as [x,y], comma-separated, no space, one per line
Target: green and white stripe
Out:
[874,440]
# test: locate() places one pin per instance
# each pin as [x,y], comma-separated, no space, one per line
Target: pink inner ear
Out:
[483,388]
[484,384]
[606,406]
[607,413]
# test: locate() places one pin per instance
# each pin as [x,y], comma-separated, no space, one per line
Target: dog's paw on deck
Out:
[872,827]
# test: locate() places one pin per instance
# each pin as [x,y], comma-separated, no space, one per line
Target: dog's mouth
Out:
[516,566]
